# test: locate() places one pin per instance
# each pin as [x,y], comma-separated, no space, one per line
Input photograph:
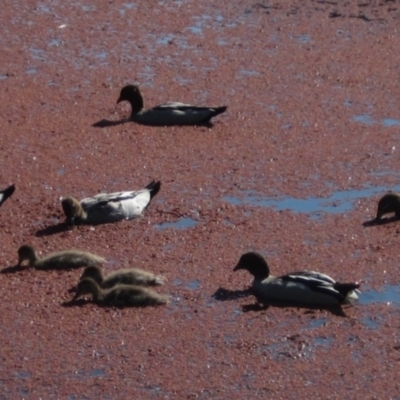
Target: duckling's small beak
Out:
[72,290]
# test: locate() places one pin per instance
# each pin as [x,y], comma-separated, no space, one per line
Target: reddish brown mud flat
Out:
[293,169]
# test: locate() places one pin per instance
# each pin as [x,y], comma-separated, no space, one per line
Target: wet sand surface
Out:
[293,169]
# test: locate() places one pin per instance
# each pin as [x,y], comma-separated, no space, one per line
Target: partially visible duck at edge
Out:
[307,288]
[6,193]
[389,203]
[120,295]
[166,114]
[109,207]
[129,276]
[66,259]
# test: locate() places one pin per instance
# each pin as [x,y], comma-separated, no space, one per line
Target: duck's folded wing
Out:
[119,204]
[314,281]
[175,107]
[313,275]
[104,198]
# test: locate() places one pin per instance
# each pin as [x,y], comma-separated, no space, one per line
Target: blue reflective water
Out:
[304,38]
[390,122]
[364,118]
[368,120]
[182,223]
[390,294]
[193,285]
[97,373]
[338,202]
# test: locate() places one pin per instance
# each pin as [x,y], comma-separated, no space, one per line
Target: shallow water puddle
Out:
[367,120]
[338,202]
[182,223]
[390,294]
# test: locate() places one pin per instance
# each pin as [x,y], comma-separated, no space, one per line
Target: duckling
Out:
[131,276]
[389,203]
[166,114]
[307,288]
[120,295]
[109,207]
[59,260]
[6,193]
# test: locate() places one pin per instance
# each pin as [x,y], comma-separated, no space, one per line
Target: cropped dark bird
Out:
[6,193]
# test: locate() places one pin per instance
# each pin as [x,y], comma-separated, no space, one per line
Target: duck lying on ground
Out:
[166,114]
[109,207]
[120,295]
[6,193]
[66,259]
[130,276]
[306,288]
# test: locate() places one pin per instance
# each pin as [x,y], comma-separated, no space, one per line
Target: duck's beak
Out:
[72,290]
[238,266]
[77,294]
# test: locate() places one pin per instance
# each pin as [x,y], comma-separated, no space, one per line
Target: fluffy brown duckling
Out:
[120,295]
[389,203]
[58,260]
[130,276]
[166,114]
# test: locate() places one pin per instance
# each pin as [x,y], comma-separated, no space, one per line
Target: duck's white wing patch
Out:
[312,275]
[106,197]
[134,206]
[116,206]
[174,105]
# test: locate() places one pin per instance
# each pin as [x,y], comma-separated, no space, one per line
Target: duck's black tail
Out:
[219,110]
[6,193]
[154,187]
[213,112]
[345,288]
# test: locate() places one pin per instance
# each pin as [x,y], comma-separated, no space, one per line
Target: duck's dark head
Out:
[132,94]
[255,264]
